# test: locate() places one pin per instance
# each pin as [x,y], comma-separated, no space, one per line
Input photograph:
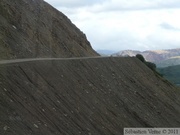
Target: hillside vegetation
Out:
[169,62]
[172,73]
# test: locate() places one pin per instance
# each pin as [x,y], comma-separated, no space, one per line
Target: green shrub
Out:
[140,57]
[151,65]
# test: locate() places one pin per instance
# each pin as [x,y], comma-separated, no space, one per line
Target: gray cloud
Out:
[121,4]
[162,42]
[117,25]
[113,5]
[169,4]
[168,27]
[132,5]
[73,3]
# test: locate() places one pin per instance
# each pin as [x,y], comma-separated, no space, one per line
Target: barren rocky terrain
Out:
[88,97]
[33,28]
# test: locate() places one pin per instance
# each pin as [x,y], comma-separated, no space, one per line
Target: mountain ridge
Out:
[155,56]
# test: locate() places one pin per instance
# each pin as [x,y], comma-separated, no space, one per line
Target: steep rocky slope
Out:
[155,56]
[33,28]
[84,97]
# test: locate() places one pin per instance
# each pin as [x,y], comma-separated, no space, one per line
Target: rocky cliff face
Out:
[155,56]
[33,28]
[84,97]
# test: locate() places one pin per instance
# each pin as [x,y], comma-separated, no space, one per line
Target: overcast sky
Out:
[125,24]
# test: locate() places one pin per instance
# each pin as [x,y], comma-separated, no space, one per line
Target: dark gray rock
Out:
[33,28]
[86,96]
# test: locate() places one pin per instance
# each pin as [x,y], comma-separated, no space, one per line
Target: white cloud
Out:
[128,24]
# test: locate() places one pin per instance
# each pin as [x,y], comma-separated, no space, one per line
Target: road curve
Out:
[45,59]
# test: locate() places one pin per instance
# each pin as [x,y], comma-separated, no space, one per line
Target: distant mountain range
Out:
[162,58]
[173,61]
